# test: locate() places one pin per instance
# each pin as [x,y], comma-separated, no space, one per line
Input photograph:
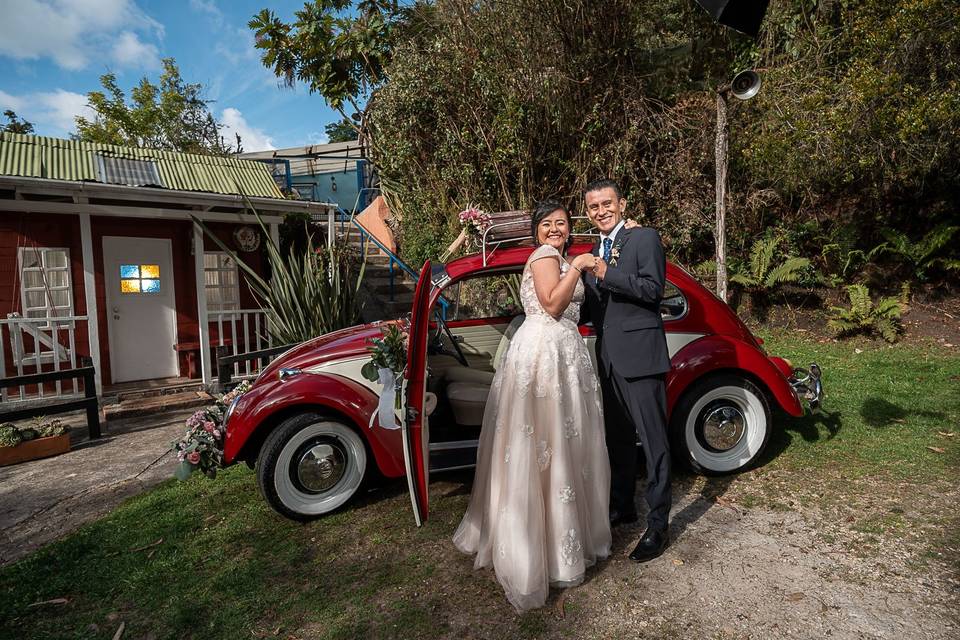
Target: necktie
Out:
[607,244]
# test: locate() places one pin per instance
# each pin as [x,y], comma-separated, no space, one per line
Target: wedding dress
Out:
[539,509]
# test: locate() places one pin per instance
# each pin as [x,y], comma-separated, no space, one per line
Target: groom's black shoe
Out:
[618,518]
[652,544]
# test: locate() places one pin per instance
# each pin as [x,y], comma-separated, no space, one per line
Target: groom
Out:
[624,293]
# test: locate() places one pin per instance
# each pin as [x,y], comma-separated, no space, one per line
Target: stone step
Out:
[167,402]
[138,394]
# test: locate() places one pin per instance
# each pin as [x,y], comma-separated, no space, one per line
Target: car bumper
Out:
[808,385]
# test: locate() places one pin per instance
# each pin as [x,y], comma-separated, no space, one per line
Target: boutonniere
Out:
[615,253]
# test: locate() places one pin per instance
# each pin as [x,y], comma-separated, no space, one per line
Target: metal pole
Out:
[720,235]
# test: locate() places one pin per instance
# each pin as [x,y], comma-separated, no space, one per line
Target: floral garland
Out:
[201,447]
[388,359]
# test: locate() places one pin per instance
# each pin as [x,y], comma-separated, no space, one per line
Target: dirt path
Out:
[43,500]
[731,572]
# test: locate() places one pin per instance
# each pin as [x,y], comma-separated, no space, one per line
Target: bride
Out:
[539,509]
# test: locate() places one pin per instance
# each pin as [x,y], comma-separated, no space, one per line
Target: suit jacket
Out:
[625,305]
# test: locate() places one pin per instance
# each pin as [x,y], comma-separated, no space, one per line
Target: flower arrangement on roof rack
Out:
[474,220]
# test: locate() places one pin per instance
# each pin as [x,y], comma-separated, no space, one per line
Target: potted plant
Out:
[44,438]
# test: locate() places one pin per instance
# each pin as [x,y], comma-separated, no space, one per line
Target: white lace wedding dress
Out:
[539,509]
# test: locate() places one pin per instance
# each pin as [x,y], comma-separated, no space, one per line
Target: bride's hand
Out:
[630,223]
[584,261]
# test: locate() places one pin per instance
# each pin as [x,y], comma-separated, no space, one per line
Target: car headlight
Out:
[233,405]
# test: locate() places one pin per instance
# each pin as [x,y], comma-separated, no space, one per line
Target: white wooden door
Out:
[141,312]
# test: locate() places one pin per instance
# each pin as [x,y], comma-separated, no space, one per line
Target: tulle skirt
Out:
[539,511]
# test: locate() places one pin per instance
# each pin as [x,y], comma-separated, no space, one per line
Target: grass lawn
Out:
[207,559]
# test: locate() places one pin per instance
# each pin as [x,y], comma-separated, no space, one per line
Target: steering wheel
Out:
[438,347]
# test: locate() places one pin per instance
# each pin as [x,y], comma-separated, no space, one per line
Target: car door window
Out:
[673,306]
[489,296]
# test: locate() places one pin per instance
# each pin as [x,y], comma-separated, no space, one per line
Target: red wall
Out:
[58,230]
[38,230]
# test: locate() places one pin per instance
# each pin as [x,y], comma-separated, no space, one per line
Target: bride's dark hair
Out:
[541,211]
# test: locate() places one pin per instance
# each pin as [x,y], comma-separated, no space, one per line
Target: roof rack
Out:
[513,227]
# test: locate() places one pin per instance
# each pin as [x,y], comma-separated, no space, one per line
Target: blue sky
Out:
[52,52]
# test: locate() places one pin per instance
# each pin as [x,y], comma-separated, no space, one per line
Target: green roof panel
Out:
[56,159]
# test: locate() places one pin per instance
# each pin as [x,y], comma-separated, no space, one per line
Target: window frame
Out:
[44,268]
[234,288]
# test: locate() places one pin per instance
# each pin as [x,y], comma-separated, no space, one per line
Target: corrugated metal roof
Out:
[314,159]
[57,159]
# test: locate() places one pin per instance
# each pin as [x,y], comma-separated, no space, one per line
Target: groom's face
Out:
[604,208]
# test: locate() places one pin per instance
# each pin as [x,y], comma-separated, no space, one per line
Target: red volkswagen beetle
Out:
[309,424]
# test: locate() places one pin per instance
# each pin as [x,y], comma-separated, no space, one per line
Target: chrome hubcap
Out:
[321,466]
[723,428]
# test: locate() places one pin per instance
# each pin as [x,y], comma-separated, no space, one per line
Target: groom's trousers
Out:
[637,407]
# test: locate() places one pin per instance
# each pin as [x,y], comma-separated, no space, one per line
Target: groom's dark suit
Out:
[633,361]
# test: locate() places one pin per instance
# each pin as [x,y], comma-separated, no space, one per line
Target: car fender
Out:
[313,391]
[724,353]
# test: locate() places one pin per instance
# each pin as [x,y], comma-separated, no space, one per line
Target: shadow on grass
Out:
[878,413]
[809,428]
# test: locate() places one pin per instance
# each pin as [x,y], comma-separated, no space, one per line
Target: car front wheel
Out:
[721,424]
[310,465]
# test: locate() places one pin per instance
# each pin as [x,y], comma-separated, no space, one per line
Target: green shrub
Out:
[10,436]
[863,316]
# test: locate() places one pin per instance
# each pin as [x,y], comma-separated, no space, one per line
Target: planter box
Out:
[33,449]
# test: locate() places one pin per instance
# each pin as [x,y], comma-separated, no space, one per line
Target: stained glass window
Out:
[139,278]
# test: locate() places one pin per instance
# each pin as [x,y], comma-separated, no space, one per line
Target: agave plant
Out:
[863,316]
[925,253]
[759,277]
[310,292]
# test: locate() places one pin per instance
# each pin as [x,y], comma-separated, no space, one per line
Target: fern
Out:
[761,255]
[863,316]
[791,270]
[760,276]
[921,255]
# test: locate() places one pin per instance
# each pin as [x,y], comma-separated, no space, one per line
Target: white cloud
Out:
[52,112]
[129,51]
[73,33]
[253,139]
[8,101]
[316,137]
[209,7]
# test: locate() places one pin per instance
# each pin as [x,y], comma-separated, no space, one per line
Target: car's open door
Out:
[415,426]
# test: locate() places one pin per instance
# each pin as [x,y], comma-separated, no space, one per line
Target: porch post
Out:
[205,365]
[90,295]
[275,234]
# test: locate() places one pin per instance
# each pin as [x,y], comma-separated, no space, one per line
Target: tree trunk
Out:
[720,235]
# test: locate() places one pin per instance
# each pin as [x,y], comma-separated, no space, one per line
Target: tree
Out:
[338,48]
[173,116]
[15,124]
[343,131]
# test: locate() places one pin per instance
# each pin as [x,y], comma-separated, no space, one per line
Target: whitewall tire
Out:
[721,424]
[310,465]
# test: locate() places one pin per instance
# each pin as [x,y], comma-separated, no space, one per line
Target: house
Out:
[335,172]
[100,257]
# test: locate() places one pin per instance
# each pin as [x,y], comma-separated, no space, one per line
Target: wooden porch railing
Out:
[36,345]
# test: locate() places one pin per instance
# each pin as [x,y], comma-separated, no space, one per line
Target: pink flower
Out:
[209,426]
[193,457]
